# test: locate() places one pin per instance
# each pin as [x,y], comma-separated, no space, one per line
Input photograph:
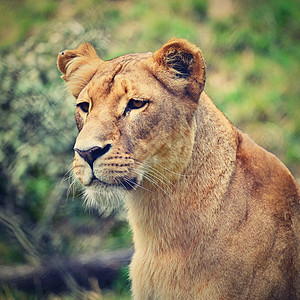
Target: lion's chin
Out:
[104,198]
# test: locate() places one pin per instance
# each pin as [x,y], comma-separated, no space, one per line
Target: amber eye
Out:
[136,104]
[84,106]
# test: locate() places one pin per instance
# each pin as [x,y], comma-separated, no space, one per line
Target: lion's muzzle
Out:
[92,154]
[106,167]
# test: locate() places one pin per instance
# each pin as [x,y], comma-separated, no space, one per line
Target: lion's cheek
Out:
[149,132]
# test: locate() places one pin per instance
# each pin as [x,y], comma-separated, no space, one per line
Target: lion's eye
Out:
[84,106]
[136,104]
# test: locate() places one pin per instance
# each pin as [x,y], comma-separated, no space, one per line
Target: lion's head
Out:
[135,116]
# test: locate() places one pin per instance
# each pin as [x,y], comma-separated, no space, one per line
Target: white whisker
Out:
[137,184]
[154,182]
[156,174]
[159,179]
[69,176]
[151,180]
[166,169]
[154,177]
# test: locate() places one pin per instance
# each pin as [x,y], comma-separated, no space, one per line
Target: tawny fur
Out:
[214,216]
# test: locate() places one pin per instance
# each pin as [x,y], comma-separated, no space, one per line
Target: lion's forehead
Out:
[132,57]
[128,74]
[125,64]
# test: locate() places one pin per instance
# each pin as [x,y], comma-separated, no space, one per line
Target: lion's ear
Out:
[184,61]
[78,66]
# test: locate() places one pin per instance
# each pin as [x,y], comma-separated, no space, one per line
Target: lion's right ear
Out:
[181,67]
[78,66]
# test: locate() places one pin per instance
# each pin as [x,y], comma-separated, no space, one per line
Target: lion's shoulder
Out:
[265,176]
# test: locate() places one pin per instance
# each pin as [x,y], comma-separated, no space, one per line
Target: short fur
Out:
[214,216]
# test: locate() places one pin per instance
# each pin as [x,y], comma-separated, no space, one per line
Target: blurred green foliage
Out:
[252,50]
[20,17]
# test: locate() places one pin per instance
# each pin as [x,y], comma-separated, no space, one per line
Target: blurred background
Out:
[50,246]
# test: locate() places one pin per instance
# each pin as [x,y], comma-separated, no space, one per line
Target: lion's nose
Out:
[92,154]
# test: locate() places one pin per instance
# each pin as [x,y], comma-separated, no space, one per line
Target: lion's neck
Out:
[172,216]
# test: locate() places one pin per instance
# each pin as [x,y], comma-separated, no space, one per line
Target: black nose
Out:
[92,154]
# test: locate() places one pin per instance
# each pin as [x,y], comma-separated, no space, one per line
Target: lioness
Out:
[214,216]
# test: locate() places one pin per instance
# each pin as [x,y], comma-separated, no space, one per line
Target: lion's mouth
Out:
[126,184]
